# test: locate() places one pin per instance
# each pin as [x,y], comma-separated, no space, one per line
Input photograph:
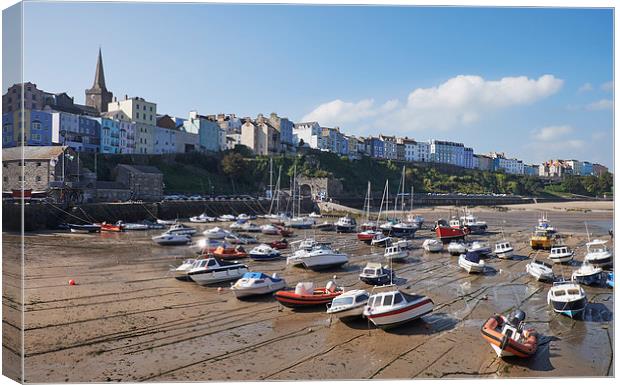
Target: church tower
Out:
[98,95]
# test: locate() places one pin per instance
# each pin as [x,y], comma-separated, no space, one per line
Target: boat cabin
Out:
[357,297]
[596,246]
[560,250]
[373,270]
[502,247]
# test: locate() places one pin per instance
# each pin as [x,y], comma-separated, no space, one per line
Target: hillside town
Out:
[108,124]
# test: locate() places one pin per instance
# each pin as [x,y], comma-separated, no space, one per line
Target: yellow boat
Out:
[541,239]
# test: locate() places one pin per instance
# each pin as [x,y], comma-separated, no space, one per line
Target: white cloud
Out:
[551,133]
[459,101]
[586,87]
[603,104]
[607,86]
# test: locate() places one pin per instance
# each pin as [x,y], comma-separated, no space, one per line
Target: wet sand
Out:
[128,319]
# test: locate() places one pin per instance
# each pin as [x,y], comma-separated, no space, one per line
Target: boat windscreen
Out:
[339,301]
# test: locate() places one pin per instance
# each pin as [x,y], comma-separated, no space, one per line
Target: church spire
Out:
[99,76]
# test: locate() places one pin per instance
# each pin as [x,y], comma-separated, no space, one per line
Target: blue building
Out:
[76,131]
[375,147]
[468,157]
[37,128]
[586,168]
[109,138]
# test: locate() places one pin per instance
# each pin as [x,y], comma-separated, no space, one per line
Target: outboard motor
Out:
[517,317]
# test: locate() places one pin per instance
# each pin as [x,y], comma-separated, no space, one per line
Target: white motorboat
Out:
[212,270]
[540,270]
[167,222]
[416,219]
[304,244]
[432,245]
[181,229]
[269,229]
[250,227]
[387,226]
[375,274]
[215,233]
[544,224]
[349,304]
[561,254]
[236,226]
[588,274]
[404,229]
[243,217]
[457,248]
[503,250]
[392,307]
[300,223]
[380,240]
[472,262]
[136,226]
[84,229]
[481,247]
[255,283]
[236,239]
[345,225]
[226,218]
[264,252]
[202,218]
[314,215]
[167,239]
[598,254]
[395,253]
[181,271]
[321,256]
[472,223]
[567,298]
[403,244]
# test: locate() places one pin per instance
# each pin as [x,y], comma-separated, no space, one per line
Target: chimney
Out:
[125,96]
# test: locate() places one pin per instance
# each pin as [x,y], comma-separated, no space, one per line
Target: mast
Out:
[368,203]
[271,178]
[278,190]
[385,189]
[402,197]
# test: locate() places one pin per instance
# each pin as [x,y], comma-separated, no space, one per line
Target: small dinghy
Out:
[167,239]
[345,225]
[561,254]
[166,222]
[279,245]
[269,229]
[226,218]
[202,218]
[112,228]
[216,233]
[588,274]
[480,247]
[597,253]
[390,307]
[250,227]
[300,223]
[229,253]
[472,262]
[306,295]
[264,252]
[380,240]
[74,228]
[181,229]
[349,305]
[325,226]
[567,298]
[153,225]
[403,244]
[540,270]
[243,217]
[213,270]
[180,272]
[314,215]
[367,236]
[432,245]
[457,248]
[508,336]
[255,283]
[236,226]
[395,253]
[375,274]
[503,250]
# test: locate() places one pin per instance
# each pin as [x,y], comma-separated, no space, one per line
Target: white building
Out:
[509,165]
[141,112]
[447,152]
[310,133]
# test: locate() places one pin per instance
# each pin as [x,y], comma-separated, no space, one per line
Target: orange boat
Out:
[229,252]
[508,336]
[306,295]
[112,228]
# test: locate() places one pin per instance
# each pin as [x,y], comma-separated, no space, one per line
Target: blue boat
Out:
[264,253]
[610,279]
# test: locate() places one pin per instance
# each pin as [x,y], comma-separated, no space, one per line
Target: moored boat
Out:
[561,254]
[567,298]
[381,240]
[279,245]
[367,236]
[345,225]
[180,272]
[472,223]
[136,226]
[390,307]
[264,252]
[88,228]
[541,239]
[503,250]
[213,270]
[540,270]
[320,257]
[228,253]
[375,274]
[181,229]
[598,254]
[395,253]
[306,295]
[202,218]
[457,248]
[349,304]
[472,262]
[447,233]
[432,245]
[167,239]
[216,233]
[588,274]
[482,248]
[509,337]
[256,283]
[113,228]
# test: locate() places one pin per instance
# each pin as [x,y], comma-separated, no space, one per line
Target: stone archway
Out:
[305,190]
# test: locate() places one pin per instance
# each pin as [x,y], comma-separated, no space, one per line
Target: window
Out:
[36,125]
[6,179]
[19,178]
[151,108]
[36,137]
[143,116]
[144,107]
[387,300]
[38,178]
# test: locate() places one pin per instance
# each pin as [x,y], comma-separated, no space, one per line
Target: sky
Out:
[535,83]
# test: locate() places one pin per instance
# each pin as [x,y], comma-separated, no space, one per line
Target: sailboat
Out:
[368,224]
[369,234]
[298,222]
[403,229]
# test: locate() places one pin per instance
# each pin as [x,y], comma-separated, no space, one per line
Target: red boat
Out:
[445,233]
[305,295]
[368,235]
[229,252]
[111,228]
[279,245]
[284,231]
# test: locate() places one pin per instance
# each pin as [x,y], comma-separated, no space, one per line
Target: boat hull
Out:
[207,278]
[504,254]
[350,313]
[562,258]
[257,291]
[264,257]
[292,300]
[376,281]
[505,346]
[447,234]
[345,228]
[409,313]
[592,279]
[600,262]
[571,309]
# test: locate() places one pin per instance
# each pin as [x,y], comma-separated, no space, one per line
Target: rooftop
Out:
[32,152]
[140,168]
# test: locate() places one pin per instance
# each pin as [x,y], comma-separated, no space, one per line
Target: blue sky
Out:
[534,83]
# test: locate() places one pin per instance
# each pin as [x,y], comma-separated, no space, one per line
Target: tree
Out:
[233,164]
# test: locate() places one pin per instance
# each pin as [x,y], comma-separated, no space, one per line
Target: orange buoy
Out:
[71,282]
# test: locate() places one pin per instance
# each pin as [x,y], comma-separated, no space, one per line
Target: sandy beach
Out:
[128,319]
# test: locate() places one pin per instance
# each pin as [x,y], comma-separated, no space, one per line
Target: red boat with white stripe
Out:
[392,307]
[446,233]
